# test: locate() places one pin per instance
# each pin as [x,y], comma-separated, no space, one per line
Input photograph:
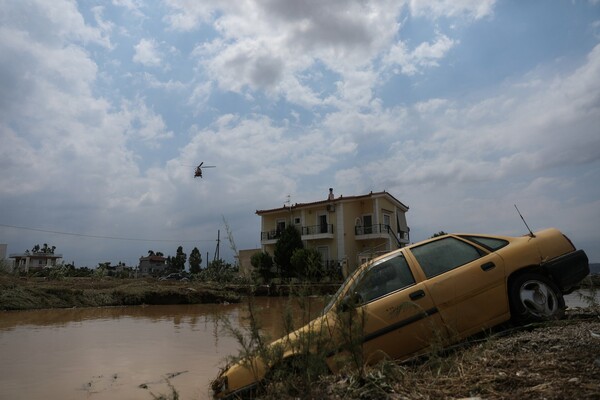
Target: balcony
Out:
[270,237]
[372,231]
[322,231]
[380,231]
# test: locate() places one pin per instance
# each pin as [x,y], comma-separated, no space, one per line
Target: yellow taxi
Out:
[441,290]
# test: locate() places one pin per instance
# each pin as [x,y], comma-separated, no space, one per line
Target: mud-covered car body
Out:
[441,290]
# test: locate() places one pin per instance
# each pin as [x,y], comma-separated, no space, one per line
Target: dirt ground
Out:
[557,360]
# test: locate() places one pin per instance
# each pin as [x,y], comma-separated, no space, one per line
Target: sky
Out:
[461,109]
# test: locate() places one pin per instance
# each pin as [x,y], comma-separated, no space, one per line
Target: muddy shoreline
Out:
[38,293]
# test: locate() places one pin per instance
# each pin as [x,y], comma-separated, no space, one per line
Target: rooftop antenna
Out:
[530,232]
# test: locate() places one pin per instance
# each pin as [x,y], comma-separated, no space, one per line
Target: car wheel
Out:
[534,297]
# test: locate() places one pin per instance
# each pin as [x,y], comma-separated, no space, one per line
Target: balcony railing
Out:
[381,229]
[317,229]
[372,229]
[270,235]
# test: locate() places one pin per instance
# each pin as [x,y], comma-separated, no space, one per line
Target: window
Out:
[444,255]
[280,227]
[384,278]
[387,221]
[492,244]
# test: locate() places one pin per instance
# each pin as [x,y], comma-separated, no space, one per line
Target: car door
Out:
[397,312]
[466,282]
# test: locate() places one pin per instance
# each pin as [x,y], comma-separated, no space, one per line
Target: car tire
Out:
[535,298]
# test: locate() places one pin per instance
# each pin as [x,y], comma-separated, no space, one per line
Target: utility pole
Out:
[217,256]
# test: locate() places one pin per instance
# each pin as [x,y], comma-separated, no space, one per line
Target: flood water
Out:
[129,352]
[125,352]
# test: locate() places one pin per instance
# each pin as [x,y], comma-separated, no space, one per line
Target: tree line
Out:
[292,260]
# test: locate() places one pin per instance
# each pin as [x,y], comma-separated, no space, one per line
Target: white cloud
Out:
[269,46]
[188,15]
[143,123]
[526,129]
[424,55]
[170,85]
[147,53]
[451,8]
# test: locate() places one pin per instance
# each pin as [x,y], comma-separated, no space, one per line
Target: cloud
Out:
[423,56]
[188,15]
[270,46]
[170,85]
[147,53]
[143,123]
[527,128]
[475,9]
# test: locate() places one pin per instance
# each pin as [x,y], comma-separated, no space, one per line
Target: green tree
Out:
[262,263]
[440,233]
[307,264]
[195,261]
[289,241]
[178,262]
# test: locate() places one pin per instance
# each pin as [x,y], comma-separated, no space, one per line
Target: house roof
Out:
[335,200]
[34,255]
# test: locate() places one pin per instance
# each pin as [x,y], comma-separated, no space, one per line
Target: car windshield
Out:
[392,270]
[337,294]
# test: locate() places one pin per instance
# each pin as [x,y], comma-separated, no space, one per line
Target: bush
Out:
[262,263]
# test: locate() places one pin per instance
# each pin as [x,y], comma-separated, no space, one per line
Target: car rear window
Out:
[492,244]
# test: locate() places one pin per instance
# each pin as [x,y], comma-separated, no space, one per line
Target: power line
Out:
[103,237]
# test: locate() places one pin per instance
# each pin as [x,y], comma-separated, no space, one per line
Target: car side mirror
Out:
[349,302]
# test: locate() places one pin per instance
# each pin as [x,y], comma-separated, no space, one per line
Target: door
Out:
[466,283]
[367,224]
[398,314]
[323,223]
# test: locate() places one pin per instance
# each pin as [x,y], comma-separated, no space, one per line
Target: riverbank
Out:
[36,293]
[555,360]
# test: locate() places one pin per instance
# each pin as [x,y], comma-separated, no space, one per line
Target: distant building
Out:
[347,231]
[152,265]
[244,261]
[37,260]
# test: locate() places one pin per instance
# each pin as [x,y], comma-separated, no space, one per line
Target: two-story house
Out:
[347,231]
[152,265]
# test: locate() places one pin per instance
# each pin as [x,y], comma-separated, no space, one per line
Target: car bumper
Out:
[568,270]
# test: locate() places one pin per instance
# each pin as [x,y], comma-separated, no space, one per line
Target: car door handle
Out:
[488,265]
[416,295]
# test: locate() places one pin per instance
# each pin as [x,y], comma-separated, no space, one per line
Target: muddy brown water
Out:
[129,352]
[125,352]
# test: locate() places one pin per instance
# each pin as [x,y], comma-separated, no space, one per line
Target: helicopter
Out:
[198,172]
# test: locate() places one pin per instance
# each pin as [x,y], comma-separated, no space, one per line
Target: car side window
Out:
[444,255]
[383,278]
[489,243]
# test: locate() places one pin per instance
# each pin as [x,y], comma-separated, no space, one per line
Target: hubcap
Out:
[538,299]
